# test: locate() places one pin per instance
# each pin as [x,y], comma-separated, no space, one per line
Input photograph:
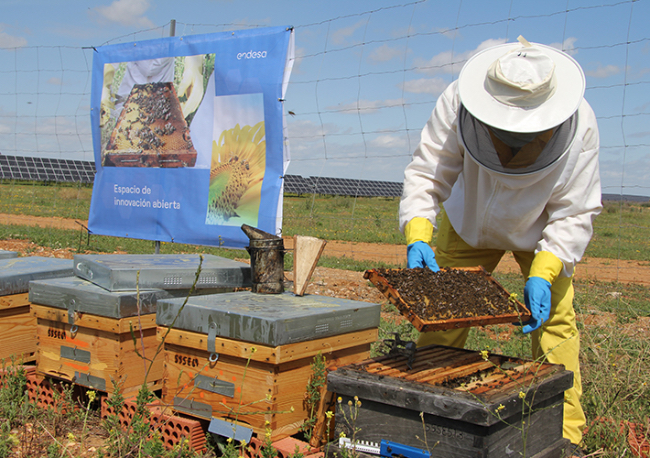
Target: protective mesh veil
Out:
[476,137]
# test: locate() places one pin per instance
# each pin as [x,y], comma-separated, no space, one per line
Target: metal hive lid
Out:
[8,254]
[124,272]
[79,295]
[268,319]
[16,273]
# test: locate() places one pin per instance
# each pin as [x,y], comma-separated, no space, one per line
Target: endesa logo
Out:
[251,55]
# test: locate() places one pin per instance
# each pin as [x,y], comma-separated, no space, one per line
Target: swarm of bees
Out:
[151,122]
[227,199]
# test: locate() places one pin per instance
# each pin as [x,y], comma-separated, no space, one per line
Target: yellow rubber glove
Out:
[546,265]
[418,230]
[537,292]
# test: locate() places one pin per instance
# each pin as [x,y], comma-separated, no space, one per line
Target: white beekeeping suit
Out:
[511,149]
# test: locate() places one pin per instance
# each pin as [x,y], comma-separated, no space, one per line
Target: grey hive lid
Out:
[119,272]
[16,273]
[78,295]
[268,319]
[8,254]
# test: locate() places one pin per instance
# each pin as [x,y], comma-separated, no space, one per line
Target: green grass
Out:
[622,231]
[39,199]
[362,219]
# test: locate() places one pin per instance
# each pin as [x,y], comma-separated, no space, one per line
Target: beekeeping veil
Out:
[518,106]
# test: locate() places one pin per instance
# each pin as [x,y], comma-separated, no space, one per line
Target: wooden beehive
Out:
[17,329]
[252,385]
[423,324]
[17,325]
[455,403]
[97,350]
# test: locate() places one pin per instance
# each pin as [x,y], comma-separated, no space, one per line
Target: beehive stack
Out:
[244,359]
[98,327]
[17,326]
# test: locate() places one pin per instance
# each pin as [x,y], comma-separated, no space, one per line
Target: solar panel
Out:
[351,187]
[72,171]
[46,169]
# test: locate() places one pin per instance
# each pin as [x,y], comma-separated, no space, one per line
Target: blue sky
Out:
[366,77]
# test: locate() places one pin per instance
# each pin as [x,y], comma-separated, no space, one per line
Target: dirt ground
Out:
[604,270]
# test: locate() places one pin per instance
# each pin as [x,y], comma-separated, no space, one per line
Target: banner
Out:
[188,136]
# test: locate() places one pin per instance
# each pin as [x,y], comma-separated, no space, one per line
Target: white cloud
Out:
[365,106]
[306,131]
[568,46]
[9,41]
[389,141]
[604,71]
[442,63]
[384,53]
[433,86]
[127,12]
[299,52]
[339,36]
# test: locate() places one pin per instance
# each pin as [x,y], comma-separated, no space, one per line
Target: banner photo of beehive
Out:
[188,136]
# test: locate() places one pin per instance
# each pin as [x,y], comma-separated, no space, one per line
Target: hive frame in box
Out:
[425,326]
[505,406]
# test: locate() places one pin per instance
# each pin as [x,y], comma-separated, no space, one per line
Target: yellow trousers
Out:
[557,340]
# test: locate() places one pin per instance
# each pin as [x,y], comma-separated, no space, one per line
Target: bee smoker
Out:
[267,260]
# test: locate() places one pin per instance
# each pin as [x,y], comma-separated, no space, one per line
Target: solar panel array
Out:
[67,170]
[46,169]
[71,171]
[295,184]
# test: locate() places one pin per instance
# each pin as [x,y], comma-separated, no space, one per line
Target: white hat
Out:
[521,87]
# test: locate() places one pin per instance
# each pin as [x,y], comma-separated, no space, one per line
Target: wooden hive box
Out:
[455,403]
[247,358]
[17,325]
[92,337]
[17,330]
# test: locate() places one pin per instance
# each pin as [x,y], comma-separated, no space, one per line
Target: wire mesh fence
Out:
[363,86]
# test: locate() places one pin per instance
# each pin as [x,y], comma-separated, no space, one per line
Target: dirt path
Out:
[605,270]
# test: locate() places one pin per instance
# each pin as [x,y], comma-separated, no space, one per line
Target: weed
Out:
[313,394]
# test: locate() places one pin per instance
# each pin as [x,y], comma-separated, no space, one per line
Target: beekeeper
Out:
[511,149]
